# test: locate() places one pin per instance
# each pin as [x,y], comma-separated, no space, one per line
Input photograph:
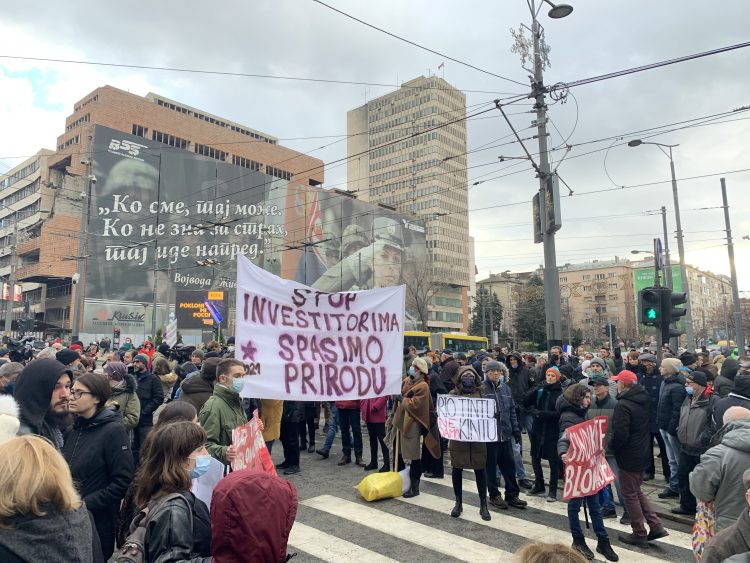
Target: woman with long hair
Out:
[163,370]
[124,398]
[573,406]
[179,526]
[97,449]
[42,517]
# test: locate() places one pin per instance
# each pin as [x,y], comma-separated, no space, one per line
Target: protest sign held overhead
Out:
[301,343]
[587,471]
[466,419]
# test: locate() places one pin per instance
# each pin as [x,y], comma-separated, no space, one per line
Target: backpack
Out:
[134,548]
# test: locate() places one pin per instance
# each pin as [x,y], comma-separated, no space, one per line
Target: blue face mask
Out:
[237,384]
[689,390]
[412,373]
[202,463]
[501,379]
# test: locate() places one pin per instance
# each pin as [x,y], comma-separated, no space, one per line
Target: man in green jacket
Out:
[223,411]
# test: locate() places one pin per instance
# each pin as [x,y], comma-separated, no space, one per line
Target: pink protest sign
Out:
[587,471]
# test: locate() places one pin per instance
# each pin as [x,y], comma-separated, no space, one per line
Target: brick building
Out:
[49,257]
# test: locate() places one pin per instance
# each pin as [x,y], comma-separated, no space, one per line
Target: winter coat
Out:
[352,405]
[33,392]
[415,416]
[718,477]
[730,541]
[570,415]
[374,410]
[196,391]
[150,394]
[696,425]
[652,384]
[57,537]
[98,453]
[448,372]
[179,534]
[724,384]
[294,411]
[631,427]
[128,404]
[271,410]
[468,455]
[541,404]
[221,414]
[519,381]
[167,382]
[507,423]
[252,514]
[671,396]
[436,384]
[604,408]
[733,400]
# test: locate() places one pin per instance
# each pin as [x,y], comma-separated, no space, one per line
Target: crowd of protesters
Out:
[112,434]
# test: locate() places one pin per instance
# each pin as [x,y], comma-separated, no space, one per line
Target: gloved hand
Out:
[517,437]
[410,394]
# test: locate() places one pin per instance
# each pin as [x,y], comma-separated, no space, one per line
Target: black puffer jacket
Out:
[541,403]
[631,435]
[671,396]
[98,453]
[151,394]
[570,415]
[652,384]
[293,411]
[740,397]
[519,380]
[180,532]
[724,384]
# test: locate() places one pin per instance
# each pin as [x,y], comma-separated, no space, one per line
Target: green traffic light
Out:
[651,314]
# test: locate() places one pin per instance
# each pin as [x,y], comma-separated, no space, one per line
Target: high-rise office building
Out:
[407,150]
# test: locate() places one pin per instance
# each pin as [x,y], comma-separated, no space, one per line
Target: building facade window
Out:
[139,130]
[246,162]
[278,173]
[176,142]
[210,152]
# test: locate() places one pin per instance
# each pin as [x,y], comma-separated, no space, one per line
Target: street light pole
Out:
[552,311]
[738,328]
[689,335]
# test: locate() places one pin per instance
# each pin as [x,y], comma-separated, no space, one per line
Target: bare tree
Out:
[421,287]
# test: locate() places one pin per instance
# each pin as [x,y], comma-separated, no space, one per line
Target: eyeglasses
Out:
[78,393]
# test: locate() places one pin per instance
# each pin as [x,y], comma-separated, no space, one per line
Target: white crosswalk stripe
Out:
[525,528]
[411,532]
[330,548]
[675,538]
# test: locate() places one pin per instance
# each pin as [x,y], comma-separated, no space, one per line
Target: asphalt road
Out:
[335,524]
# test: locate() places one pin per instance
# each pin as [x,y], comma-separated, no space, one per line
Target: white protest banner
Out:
[466,419]
[299,343]
[587,471]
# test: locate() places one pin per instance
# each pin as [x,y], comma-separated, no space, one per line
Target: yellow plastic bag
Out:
[380,486]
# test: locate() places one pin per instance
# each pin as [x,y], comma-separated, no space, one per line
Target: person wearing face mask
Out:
[415,418]
[541,402]
[469,455]
[151,396]
[97,450]
[124,398]
[223,411]
[694,433]
[179,528]
[501,453]
[573,406]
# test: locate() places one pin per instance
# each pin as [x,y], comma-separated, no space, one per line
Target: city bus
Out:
[420,340]
[458,342]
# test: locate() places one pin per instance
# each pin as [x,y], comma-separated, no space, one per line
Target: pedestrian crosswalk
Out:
[334,528]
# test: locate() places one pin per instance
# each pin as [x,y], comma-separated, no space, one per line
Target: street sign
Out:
[658,253]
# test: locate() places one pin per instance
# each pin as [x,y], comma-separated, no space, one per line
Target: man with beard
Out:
[42,392]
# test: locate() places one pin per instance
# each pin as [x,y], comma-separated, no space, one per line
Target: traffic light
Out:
[650,306]
[672,312]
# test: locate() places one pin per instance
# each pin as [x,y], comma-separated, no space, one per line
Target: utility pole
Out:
[683,268]
[551,277]
[156,253]
[673,342]
[12,279]
[738,328]
[82,245]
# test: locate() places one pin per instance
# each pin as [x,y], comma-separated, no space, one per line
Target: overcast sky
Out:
[304,39]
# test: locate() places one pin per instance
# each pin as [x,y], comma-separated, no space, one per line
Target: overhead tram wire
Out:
[414,44]
[243,74]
